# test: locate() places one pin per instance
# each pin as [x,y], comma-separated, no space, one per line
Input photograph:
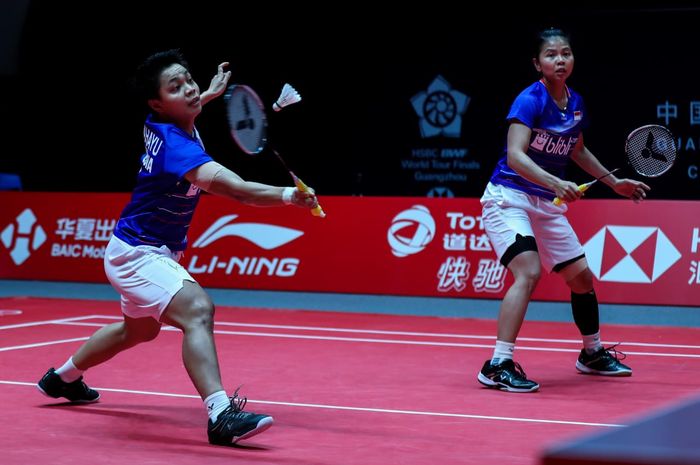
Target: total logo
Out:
[411,231]
[23,236]
[630,254]
[265,236]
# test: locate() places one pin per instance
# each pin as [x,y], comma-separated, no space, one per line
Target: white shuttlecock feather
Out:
[288,96]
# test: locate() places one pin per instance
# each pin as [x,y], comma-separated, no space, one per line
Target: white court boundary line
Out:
[421,334]
[57,322]
[41,344]
[78,321]
[355,409]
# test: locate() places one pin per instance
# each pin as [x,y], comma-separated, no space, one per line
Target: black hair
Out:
[545,36]
[146,80]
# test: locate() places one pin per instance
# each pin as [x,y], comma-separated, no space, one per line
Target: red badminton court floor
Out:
[344,388]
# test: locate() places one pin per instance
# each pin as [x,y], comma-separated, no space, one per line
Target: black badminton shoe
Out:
[51,385]
[605,361]
[233,424]
[506,376]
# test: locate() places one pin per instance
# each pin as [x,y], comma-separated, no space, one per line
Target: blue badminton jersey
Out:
[163,202]
[552,140]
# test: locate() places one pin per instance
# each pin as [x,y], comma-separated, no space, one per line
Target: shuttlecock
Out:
[288,96]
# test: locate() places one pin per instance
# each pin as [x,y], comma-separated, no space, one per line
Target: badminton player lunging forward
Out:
[546,123]
[141,259]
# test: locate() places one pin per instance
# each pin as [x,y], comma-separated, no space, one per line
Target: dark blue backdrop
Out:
[360,73]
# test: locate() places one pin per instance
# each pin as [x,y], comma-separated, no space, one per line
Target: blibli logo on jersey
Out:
[153,144]
[540,141]
[553,145]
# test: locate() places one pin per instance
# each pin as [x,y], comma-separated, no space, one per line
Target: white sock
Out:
[216,403]
[502,351]
[69,372]
[592,343]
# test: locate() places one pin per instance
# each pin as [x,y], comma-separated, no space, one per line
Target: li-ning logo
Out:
[440,109]
[265,236]
[23,236]
[630,254]
[416,221]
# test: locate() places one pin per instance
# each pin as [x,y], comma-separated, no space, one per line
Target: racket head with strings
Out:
[651,150]
[248,126]
[246,118]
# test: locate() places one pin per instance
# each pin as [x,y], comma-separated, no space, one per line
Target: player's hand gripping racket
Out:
[248,126]
[650,150]
[584,187]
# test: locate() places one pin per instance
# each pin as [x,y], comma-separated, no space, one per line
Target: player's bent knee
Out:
[202,311]
[531,275]
[191,306]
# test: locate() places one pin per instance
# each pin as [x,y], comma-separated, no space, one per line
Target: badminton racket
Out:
[248,126]
[650,150]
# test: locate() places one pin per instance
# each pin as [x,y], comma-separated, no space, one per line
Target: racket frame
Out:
[647,128]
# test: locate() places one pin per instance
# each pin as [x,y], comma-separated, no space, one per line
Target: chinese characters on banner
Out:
[640,254]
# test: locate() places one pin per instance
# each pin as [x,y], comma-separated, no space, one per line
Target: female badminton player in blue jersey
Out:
[526,229]
[141,259]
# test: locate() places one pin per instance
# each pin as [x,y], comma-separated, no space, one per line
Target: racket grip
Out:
[582,187]
[317,210]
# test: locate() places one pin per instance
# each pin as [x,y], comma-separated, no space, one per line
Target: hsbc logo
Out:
[630,254]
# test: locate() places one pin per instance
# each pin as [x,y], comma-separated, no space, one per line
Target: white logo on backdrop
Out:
[266,236]
[633,243]
[440,192]
[440,109]
[23,236]
[411,231]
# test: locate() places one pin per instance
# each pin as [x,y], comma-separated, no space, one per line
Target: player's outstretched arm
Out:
[216,179]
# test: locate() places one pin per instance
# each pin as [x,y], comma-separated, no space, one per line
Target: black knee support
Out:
[521,244]
[585,310]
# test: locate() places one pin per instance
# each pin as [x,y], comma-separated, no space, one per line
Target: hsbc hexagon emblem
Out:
[630,254]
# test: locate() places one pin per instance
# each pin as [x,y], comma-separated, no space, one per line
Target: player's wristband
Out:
[287,194]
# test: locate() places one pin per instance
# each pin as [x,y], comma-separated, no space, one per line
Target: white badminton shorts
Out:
[146,277]
[507,212]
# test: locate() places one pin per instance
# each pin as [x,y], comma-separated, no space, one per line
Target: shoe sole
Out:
[262,425]
[503,387]
[41,390]
[590,371]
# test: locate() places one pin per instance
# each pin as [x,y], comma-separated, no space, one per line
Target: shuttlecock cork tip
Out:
[288,96]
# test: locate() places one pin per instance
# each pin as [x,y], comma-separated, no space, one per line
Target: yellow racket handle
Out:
[317,210]
[583,188]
